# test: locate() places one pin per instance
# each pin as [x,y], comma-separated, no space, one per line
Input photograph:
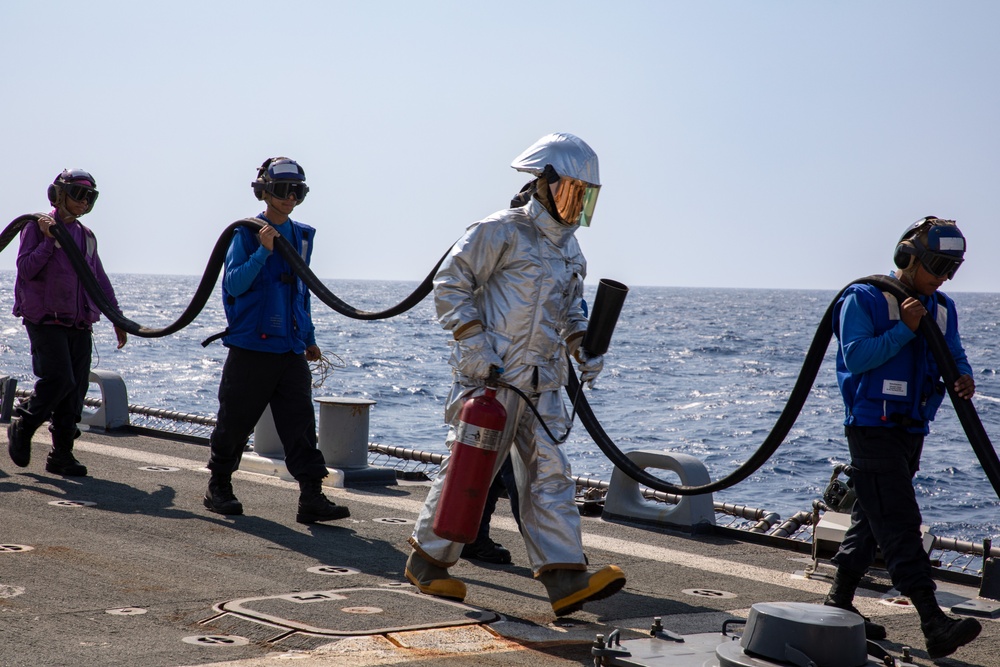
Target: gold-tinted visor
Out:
[575,201]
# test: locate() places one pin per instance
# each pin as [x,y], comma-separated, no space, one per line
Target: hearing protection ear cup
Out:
[53,194]
[258,185]
[905,255]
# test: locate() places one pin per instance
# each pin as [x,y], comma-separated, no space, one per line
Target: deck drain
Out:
[338,570]
[14,548]
[708,593]
[126,611]
[362,610]
[72,503]
[394,520]
[159,468]
[216,640]
[897,601]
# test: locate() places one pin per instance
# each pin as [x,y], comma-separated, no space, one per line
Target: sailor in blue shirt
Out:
[271,339]
[892,388]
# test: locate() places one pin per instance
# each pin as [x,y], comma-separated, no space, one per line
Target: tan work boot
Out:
[570,589]
[432,579]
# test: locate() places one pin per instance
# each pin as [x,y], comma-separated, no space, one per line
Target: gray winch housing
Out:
[776,634]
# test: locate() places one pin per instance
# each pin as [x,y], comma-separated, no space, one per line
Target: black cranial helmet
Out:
[76,184]
[280,177]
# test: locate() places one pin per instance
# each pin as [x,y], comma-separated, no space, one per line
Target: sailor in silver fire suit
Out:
[510,292]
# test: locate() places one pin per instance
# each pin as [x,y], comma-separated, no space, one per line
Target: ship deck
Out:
[126,566]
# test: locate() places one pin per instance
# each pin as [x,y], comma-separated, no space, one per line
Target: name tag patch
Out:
[894,387]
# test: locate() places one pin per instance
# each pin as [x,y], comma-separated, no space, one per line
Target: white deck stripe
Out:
[667,557]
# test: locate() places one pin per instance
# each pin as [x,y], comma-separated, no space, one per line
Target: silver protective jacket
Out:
[520,274]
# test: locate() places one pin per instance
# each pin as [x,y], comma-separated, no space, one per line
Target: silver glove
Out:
[590,367]
[476,356]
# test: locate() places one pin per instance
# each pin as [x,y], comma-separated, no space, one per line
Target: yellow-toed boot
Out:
[570,589]
[433,579]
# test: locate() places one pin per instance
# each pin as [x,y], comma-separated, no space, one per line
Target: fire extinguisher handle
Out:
[494,378]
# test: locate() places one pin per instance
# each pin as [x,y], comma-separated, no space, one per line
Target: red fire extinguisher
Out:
[470,468]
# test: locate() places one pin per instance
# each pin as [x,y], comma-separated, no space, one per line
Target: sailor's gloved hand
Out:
[476,356]
[590,367]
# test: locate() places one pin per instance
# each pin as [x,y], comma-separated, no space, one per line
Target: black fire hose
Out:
[967,414]
[302,270]
[207,285]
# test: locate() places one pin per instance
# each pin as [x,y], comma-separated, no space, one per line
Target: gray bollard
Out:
[113,412]
[343,439]
[265,437]
[624,501]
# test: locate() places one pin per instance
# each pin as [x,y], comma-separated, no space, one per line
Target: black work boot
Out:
[220,498]
[487,551]
[942,633]
[19,442]
[314,506]
[61,460]
[841,596]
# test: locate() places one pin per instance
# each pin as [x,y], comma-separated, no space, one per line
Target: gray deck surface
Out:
[146,576]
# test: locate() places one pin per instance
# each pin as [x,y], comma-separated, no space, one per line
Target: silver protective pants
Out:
[550,520]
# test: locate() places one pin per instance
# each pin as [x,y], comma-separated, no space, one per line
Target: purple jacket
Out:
[47,288]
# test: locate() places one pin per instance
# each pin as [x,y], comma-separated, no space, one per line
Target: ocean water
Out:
[700,371]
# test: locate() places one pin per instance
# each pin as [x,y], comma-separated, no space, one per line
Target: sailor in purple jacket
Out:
[58,315]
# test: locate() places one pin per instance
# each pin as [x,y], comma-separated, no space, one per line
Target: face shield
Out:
[575,201]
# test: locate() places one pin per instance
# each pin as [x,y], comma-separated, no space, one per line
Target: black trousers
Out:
[250,382]
[60,357]
[886,514]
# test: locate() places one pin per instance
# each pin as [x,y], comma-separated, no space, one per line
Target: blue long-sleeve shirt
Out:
[863,350]
[241,268]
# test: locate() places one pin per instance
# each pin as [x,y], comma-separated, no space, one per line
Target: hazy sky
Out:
[756,144]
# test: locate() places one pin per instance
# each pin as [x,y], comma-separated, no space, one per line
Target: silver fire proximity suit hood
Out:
[568,154]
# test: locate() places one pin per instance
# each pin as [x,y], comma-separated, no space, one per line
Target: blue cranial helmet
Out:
[938,245]
[280,177]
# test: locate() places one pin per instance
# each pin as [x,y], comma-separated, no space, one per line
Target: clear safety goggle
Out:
[575,201]
[283,189]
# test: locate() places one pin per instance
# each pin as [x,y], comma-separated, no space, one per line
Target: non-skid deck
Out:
[126,567]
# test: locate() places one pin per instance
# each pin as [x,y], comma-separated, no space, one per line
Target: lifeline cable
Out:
[967,414]
[207,285]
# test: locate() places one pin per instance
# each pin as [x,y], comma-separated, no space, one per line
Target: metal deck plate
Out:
[355,611]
